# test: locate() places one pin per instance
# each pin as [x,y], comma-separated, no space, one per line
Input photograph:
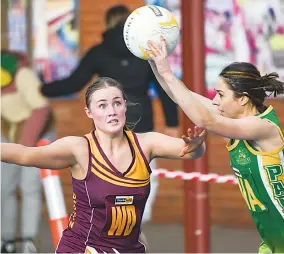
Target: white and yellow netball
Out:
[150,22]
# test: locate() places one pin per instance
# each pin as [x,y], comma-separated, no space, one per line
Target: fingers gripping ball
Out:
[150,22]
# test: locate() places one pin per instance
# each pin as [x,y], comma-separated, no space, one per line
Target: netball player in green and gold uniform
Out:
[256,142]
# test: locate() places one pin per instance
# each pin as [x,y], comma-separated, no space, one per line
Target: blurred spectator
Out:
[25,117]
[111,58]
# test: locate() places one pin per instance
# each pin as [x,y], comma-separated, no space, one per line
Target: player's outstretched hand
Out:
[159,55]
[193,140]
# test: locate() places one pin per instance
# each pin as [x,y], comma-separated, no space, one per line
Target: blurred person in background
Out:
[25,118]
[111,58]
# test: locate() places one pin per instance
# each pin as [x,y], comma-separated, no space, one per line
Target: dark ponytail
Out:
[270,83]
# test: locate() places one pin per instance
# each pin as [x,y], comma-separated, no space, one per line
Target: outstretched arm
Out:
[185,98]
[170,108]
[247,128]
[161,81]
[57,155]
[168,89]
[159,145]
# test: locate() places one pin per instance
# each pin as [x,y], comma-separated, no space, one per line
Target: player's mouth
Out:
[113,121]
[221,112]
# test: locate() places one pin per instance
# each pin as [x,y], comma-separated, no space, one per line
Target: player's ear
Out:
[88,112]
[244,99]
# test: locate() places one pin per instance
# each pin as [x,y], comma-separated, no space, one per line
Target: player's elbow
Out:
[207,123]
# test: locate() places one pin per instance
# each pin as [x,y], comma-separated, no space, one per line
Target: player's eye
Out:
[102,106]
[117,103]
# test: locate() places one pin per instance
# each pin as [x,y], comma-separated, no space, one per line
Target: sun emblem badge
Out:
[243,157]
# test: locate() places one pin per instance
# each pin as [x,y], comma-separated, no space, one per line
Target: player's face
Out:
[226,103]
[107,108]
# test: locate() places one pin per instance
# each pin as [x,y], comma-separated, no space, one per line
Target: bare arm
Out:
[248,128]
[161,81]
[57,155]
[170,108]
[168,89]
[159,145]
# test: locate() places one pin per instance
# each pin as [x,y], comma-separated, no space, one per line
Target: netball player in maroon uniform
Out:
[110,172]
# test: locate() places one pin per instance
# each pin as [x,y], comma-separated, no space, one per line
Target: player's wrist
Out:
[167,75]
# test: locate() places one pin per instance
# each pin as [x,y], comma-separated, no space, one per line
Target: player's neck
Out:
[110,143]
[249,111]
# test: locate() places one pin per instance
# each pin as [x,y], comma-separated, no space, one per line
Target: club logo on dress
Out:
[124,200]
[243,157]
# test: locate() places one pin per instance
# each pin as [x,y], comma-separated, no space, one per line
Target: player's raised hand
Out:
[159,55]
[193,140]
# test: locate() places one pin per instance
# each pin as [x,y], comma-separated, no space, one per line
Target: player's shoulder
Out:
[77,144]
[141,136]
[74,140]
[148,138]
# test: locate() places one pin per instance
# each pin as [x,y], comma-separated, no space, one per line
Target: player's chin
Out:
[223,113]
[228,115]
[115,129]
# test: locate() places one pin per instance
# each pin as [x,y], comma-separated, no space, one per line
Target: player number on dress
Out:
[247,192]
[123,220]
